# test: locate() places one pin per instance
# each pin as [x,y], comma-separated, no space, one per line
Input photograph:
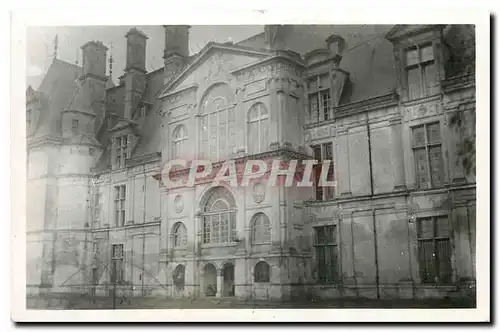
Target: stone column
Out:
[273,113]
[397,154]
[219,282]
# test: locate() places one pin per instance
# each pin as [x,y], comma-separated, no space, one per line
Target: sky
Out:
[40,44]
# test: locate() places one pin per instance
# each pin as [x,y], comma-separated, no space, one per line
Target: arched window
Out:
[261,229]
[179,141]
[258,129]
[218,123]
[179,234]
[219,217]
[262,272]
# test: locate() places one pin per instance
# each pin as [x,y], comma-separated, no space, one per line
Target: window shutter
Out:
[112,145]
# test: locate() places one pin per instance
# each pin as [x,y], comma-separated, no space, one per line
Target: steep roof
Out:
[368,56]
[58,88]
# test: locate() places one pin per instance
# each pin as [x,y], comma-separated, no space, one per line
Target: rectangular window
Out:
[323,152]
[421,71]
[74,126]
[319,99]
[97,206]
[120,193]
[121,150]
[434,249]
[118,267]
[326,253]
[428,155]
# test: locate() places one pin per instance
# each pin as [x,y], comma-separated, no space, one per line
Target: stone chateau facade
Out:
[376,100]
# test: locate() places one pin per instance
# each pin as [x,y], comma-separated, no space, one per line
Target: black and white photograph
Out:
[251,166]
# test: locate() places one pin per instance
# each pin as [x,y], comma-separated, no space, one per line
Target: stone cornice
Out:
[143,159]
[284,152]
[458,82]
[383,101]
[37,141]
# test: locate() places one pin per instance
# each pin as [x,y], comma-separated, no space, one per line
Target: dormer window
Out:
[421,71]
[74,126]
[319,98]
[121,150]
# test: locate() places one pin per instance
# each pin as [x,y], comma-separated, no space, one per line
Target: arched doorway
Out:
[178,276]
[228,279]
[209,280]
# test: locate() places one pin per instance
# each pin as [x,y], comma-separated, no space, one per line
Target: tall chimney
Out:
[135,71]
[94,59]
[176,40]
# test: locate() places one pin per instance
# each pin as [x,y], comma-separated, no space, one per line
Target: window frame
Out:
[421,65]
[327,247]
[258,240]
[212,219]
[121,148]
[74,126]
[120,204]
[435,238]
[427,146]
[179,139]
[118,258]
[208,114]
[323,112]
[261,120]
[325,193]
[179,240]
[262,276]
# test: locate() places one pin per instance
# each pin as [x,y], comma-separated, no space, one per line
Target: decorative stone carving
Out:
[259,192]
[422,111]
[178,204]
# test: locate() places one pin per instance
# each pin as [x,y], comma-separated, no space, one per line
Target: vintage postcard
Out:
[260,161]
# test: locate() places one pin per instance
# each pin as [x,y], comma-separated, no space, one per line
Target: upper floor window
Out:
[219,217]
[421,71]
[434,249]
[428,155]
[121,150]
[322,153]
[74,126]
[120,196]
[179,143]
[319,98]
[179,234]
[326,253]
[261,229]
[218,124]
[258,129]
[97,206]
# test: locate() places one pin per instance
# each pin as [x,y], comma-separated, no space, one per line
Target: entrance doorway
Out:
[228,280]
[210,280]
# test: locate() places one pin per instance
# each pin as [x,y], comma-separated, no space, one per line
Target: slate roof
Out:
[57,88]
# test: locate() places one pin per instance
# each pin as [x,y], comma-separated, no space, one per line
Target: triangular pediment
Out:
[405,30]
[214,61]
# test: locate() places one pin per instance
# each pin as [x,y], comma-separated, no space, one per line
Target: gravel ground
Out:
[155,303]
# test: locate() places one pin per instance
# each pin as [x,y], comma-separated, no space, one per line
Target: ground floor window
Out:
[434,249]
[326,253]
[261,273]
[117,260]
